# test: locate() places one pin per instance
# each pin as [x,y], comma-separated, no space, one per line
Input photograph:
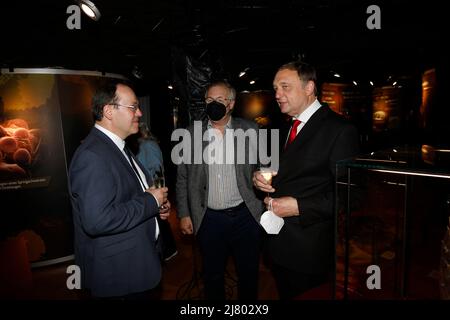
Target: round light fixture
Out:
[90,9]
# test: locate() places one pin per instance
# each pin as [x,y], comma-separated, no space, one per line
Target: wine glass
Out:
[267,173]
[159,182]
[158,178]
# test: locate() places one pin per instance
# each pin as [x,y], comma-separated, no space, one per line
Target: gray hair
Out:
[223,83]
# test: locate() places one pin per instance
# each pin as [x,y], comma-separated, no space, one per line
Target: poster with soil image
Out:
[43,119]
[33,174]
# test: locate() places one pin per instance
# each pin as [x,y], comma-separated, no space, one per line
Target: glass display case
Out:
[392,216]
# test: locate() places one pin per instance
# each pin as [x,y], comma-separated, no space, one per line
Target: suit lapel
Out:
[118,154]
[284,132]
[307,132]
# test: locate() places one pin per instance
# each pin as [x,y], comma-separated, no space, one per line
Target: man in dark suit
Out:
[216,199]
[302,254]
[114,210]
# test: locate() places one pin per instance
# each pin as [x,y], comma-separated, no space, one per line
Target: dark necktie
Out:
[293,132]
[128,153]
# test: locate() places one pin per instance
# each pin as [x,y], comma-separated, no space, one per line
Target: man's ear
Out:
[107,111]
[309,88]
[232,104]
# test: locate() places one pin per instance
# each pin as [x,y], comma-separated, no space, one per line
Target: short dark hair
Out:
[223,83]
[305,71]
[105,94]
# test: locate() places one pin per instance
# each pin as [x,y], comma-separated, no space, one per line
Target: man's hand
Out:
[164,210]
[260,183]
[160,194]
[186,225]
[283,206]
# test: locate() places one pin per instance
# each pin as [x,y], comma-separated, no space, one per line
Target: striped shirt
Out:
[223,190]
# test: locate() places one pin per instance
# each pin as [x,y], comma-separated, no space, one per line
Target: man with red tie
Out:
[302,254]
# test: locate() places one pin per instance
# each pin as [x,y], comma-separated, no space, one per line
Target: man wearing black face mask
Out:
[216,201]
[216,110]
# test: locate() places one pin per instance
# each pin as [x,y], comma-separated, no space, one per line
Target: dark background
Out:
[186,43]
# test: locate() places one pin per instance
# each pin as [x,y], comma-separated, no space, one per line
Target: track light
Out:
[90,9]
[242,73]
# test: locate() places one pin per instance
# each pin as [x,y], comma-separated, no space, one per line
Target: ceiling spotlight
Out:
[170,87]
[371,83]
[355,83]
[252,82]
[337,75]
[395,82]
[90,9]
[242,73]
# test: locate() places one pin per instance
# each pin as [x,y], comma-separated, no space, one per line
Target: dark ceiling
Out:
[228,36]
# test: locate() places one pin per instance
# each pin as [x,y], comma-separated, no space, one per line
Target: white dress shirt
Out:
[305,116]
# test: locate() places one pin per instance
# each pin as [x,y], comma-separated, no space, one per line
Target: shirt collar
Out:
[118,141]
[305,115]
[227,126]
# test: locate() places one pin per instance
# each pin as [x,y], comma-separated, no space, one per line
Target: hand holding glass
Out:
[158,179]
[159,182]
[267,174]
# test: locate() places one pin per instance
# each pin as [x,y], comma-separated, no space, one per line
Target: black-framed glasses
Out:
[133,107]
[220,100]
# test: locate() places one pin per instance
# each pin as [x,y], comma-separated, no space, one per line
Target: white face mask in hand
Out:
[270,221]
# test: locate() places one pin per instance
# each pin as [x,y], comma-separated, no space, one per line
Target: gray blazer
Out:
[192,181]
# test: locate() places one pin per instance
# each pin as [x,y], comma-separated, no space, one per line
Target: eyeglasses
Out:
[220,100]
[133,107]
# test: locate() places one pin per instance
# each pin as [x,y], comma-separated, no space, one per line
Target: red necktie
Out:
[293,132]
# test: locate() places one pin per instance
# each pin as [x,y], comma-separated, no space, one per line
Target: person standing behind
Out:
[217,202]
[114,211]
[150,155]
[302,254]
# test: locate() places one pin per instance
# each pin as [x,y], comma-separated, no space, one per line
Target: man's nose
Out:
[277,94]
